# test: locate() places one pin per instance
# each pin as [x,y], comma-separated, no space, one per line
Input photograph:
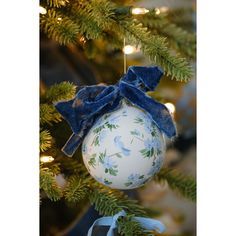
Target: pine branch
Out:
[61,91]
[109,202]
[182,17]
[95,18]
[185,185]
[59,27]
[49,114]
[177,37]
[57,3]
[45,140]
[129,227]
[76,189]
[49,185]
[156,48]
[87,26]
[71,166]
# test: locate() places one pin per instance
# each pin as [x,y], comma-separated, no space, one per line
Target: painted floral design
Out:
[120,145]
[135,180]
[124,149]
[84,148]
[108,163]
[100,131]
[107,182]
[156,166]
[101,180]
[152,148]
[92,160]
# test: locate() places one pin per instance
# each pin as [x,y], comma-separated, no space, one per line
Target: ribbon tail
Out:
[151,224]
[72,144]
[106,221]
[158,112]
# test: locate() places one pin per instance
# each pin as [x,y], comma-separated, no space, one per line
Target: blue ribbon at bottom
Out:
[146,223]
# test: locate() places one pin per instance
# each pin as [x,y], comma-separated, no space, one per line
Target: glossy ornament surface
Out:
[124,148]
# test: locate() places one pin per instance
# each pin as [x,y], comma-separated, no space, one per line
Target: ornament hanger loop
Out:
[124,58]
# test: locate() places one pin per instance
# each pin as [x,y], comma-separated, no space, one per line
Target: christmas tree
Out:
[93,41]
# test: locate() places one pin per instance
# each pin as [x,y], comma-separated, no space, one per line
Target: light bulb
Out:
[42,10]
[46,159]
[164,9]
[157,10]
[139,10]
[128,49]
[170,107]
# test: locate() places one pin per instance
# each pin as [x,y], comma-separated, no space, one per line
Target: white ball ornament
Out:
[124,148]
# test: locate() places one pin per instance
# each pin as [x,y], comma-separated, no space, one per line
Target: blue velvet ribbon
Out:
[146,223]
[91,102]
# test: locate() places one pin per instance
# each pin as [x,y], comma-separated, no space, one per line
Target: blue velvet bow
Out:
[146,223]
[91,102]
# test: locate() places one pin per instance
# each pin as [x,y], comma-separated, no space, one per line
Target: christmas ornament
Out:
[145,223]
[124,148]
[123,144]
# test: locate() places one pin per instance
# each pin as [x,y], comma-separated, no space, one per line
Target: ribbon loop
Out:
[146,223]
[92,102]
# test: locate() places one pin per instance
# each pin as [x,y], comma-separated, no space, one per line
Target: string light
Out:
[46,159]
[164,9]
[129,49]
[82,40]
[158,11]
[59,18]
[139,11]
[170,107]
[42,10]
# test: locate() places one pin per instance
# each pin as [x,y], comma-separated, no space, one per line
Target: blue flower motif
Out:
[120,145]
[108,163]
[156,167]
[134,177]
[114,120]
[84,148]
[102,135]
[135,180]
[150,143]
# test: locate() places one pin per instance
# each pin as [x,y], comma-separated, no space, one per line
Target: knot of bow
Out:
[91,102]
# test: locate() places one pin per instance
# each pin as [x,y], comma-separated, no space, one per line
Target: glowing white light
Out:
[164,9]
[158,11]
[46,159]
[42,10]
[139,11]
[128,49]
[59,18]
[170,107]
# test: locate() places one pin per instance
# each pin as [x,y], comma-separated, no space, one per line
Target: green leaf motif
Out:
[141,176]
[96,141]
[98,129]
[118,155]
[92,160]
[128,184]
[147,153]
[113,171]
[107,182]
[102,156]
[138,120]
[111,126]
